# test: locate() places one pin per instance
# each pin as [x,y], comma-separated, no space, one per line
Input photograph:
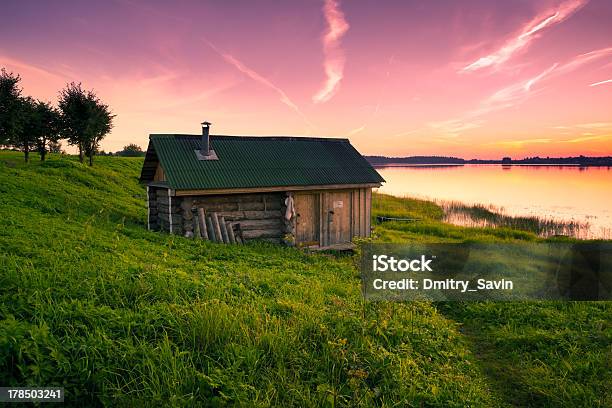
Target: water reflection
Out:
[571,195]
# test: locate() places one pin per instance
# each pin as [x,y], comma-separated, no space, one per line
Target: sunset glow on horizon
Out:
[473,79]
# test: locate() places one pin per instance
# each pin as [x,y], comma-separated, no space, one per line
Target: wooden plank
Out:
[354,214]
[259,206]
[362,232]
[223,227]
[239,239]
[230,233]
[261,224]
[243,206]
[211,229]
[267,233]
[250,215]
[148,208]
[215,207]
[170,221]
[361,214]
[240,198]
[197,234]
[202,223]
[217,227]
[165,209]
[368,211]
[339,217]
[274,189]
[307,218]
[324,219]
[186,206]
[350,216]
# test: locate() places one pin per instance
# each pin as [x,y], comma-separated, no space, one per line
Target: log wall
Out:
[254,216]
[162,211]
[244,217]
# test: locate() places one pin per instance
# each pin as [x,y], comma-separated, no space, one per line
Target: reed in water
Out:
[478,215]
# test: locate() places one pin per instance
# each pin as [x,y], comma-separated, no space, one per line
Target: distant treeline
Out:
[577,160]
[131,150]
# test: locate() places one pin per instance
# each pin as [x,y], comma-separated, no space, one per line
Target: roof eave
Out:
[270,189]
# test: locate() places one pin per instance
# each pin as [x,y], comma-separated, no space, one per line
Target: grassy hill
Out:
[119,316]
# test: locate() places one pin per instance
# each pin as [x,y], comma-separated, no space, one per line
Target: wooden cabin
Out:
[311,192]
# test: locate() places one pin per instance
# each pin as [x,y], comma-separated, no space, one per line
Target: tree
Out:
[23,136]
[11,107]
[131,150]
[45,127]
[85,119]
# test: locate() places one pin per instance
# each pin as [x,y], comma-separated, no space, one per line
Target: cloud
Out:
[284,98]
[519,92]
[587,138]
[520,143]
[607,81]
[515,94]
[504,98]
[27,67]
[407,132]
[356,130]
[527,34]
[454,127]
[511,95]
[334,54]
[596,125]
[582,59]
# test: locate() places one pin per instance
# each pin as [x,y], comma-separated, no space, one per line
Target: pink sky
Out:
[472,78]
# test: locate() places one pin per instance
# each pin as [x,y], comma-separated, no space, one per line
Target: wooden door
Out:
[307,219]
[337,216]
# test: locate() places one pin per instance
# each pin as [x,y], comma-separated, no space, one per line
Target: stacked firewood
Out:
[215,228]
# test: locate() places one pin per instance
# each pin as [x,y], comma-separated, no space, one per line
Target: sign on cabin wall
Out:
[338,204]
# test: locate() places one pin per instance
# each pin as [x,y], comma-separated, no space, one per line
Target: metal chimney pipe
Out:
[205,145]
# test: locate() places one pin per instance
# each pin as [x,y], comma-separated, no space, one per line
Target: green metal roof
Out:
[256,161]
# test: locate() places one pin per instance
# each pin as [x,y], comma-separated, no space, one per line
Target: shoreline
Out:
[377,166]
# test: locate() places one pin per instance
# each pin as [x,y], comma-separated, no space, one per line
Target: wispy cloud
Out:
[511,95]
[520,143]
[407,132]
[587,138]
[25,66]
[356,130]
[596,125]
[519,92]
[334,54]
[515,94]
[454,127]
[377,107]
[504,98]
[527,34]
[607,81]
[240,66]
[582,59]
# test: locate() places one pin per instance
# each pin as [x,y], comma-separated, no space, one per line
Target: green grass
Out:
[119,316]
[533,353]
[430,227]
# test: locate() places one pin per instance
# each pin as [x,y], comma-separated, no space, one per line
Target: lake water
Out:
[564,193]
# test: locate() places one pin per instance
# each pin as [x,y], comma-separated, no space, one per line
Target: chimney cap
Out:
[205,123]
